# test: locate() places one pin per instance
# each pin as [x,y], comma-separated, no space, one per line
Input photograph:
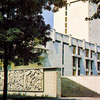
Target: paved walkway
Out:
[66,98]
[80,98]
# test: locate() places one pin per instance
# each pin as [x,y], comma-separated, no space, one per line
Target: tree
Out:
[21,28]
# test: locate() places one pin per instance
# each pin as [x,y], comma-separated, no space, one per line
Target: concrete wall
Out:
[51,83]
[59,20]
[77,26]
[94,25]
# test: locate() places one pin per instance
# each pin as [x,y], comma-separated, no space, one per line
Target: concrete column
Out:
[76,66]
[89,51]
[70,40]
[77,47]
[95,47]
[89,67]
[83,44]
[95,64]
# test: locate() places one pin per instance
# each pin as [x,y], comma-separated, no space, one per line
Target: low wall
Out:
[34,82]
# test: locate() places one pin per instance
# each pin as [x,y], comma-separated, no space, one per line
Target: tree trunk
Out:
[5,74]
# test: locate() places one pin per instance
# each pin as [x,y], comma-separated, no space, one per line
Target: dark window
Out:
[66,8]
[98,56]
[87,64]
[79,50]
[74,49]
[91,54]
[65,13]
[65,19]
[62,71]
[74,72]
[91,65]
[87,53]
[87,73]
[98,65]
[74,61]
[79,62]
[78,72]
[91,73]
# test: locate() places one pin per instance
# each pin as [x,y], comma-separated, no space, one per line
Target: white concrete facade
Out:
[76,57]
[77,26]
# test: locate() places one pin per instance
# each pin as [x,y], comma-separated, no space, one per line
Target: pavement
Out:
[79,98]
[65,98]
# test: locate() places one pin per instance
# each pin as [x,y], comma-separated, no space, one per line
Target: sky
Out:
[48,17]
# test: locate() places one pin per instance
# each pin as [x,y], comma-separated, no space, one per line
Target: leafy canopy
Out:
[22,27]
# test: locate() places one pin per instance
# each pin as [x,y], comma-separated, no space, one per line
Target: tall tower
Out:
[71,20]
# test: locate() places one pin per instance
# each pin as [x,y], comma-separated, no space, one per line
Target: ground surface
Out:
[67,98]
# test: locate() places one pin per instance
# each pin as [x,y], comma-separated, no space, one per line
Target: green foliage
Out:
[22,27]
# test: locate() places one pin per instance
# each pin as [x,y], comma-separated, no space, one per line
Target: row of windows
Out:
[86,52]
[65,19]
[79,52]
[88,66]
[87,63]
[77,61]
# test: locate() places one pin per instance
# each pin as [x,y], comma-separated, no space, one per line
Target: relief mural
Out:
[24,80]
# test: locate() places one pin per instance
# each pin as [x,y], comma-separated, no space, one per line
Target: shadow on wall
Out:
[46,63]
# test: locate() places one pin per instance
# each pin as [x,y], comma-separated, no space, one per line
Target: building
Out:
[75,46]
[74,56]
[71,20]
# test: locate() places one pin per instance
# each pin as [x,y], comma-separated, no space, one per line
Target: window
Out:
[87,72]
[74,61]
[74,49]
[62,71]
[98,56]
[78,72]
[98,73]
[91,53]
[65,19]
[87,52]
[65,13]
[65,25]
[63,53]
[65,30]
[87,64]
[91,65]
[91,73]
[74,72]
[66,8]
[79,49]
[98,66]
[79,62]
